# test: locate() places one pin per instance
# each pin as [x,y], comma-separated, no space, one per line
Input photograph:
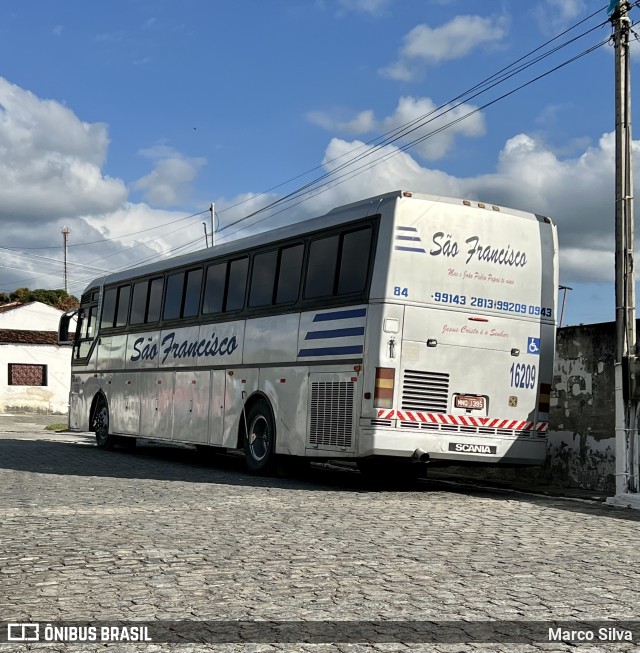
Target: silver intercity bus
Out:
[404,327]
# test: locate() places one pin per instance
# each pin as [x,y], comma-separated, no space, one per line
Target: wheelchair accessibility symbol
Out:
[533,346]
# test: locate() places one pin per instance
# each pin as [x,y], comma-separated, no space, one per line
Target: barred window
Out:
[20,374]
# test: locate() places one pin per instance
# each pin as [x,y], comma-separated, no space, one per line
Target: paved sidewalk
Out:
[157,534]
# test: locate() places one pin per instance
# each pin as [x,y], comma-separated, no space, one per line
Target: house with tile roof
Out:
[35,372]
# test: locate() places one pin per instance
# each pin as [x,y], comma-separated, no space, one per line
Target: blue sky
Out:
[118,118]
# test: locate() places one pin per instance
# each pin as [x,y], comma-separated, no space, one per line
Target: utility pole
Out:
[625,366]
[65,236]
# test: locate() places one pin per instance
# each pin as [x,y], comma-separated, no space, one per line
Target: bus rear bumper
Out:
[454,448]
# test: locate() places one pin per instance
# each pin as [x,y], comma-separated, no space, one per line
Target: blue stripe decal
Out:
[331,351]
[406,229]
[340,315]
[414,238]
[410,249]
[335,333]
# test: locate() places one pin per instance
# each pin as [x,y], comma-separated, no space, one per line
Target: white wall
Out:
[31,317]
[52,398]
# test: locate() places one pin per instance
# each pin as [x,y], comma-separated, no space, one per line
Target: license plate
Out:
[468,402]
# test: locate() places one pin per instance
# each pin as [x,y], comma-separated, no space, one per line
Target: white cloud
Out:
[425,45]
[413,110]
[51,175]
[554,16]
[169,182]
[50,161]
[576,193]
[373,7]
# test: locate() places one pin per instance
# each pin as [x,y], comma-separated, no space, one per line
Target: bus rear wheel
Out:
[260,440]
[104,439]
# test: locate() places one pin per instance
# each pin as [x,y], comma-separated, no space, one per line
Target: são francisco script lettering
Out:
[444,245]
[183,349]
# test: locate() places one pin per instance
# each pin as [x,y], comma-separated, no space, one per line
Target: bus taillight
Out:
[385,380]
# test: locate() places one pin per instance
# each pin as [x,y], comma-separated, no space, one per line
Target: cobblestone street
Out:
[158,533]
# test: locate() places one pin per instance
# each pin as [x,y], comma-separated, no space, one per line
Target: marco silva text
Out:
[604,634]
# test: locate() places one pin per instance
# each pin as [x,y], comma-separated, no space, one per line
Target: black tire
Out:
[260,440]
[105,440]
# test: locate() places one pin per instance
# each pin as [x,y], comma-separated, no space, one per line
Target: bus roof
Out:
[335,216]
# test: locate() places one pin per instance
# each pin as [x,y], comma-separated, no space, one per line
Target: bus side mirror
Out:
[65,335]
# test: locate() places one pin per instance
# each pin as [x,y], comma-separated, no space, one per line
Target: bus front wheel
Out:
[104,439]
[260,439]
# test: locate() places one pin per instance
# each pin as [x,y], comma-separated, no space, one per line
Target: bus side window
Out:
[124,292]
[173,296]
[109,308]
[354,261]
[139,302]
[321,267]
[115,307]
[289,274]
[155,300]
[214,288]
[192,293]
[89,321]
[263,278]
[86,328]
[236,284]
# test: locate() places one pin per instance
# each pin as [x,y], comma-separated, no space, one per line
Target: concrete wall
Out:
[52,398]
[581,421]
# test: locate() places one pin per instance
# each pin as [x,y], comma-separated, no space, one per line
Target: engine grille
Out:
[425,391]
[331,414]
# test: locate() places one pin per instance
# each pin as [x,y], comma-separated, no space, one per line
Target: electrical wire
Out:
[397,132]
[331,174]
[312,192]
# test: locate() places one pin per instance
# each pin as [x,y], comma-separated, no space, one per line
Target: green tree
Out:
[59,298]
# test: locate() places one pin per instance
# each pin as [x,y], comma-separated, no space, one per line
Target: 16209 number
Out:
[523,376]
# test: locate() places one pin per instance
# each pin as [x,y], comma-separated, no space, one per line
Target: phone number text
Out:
[492,304]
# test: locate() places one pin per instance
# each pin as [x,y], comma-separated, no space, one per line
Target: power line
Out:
[418,123]
[400,131]
[312,192]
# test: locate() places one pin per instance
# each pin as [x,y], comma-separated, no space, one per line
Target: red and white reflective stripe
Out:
[463,420]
